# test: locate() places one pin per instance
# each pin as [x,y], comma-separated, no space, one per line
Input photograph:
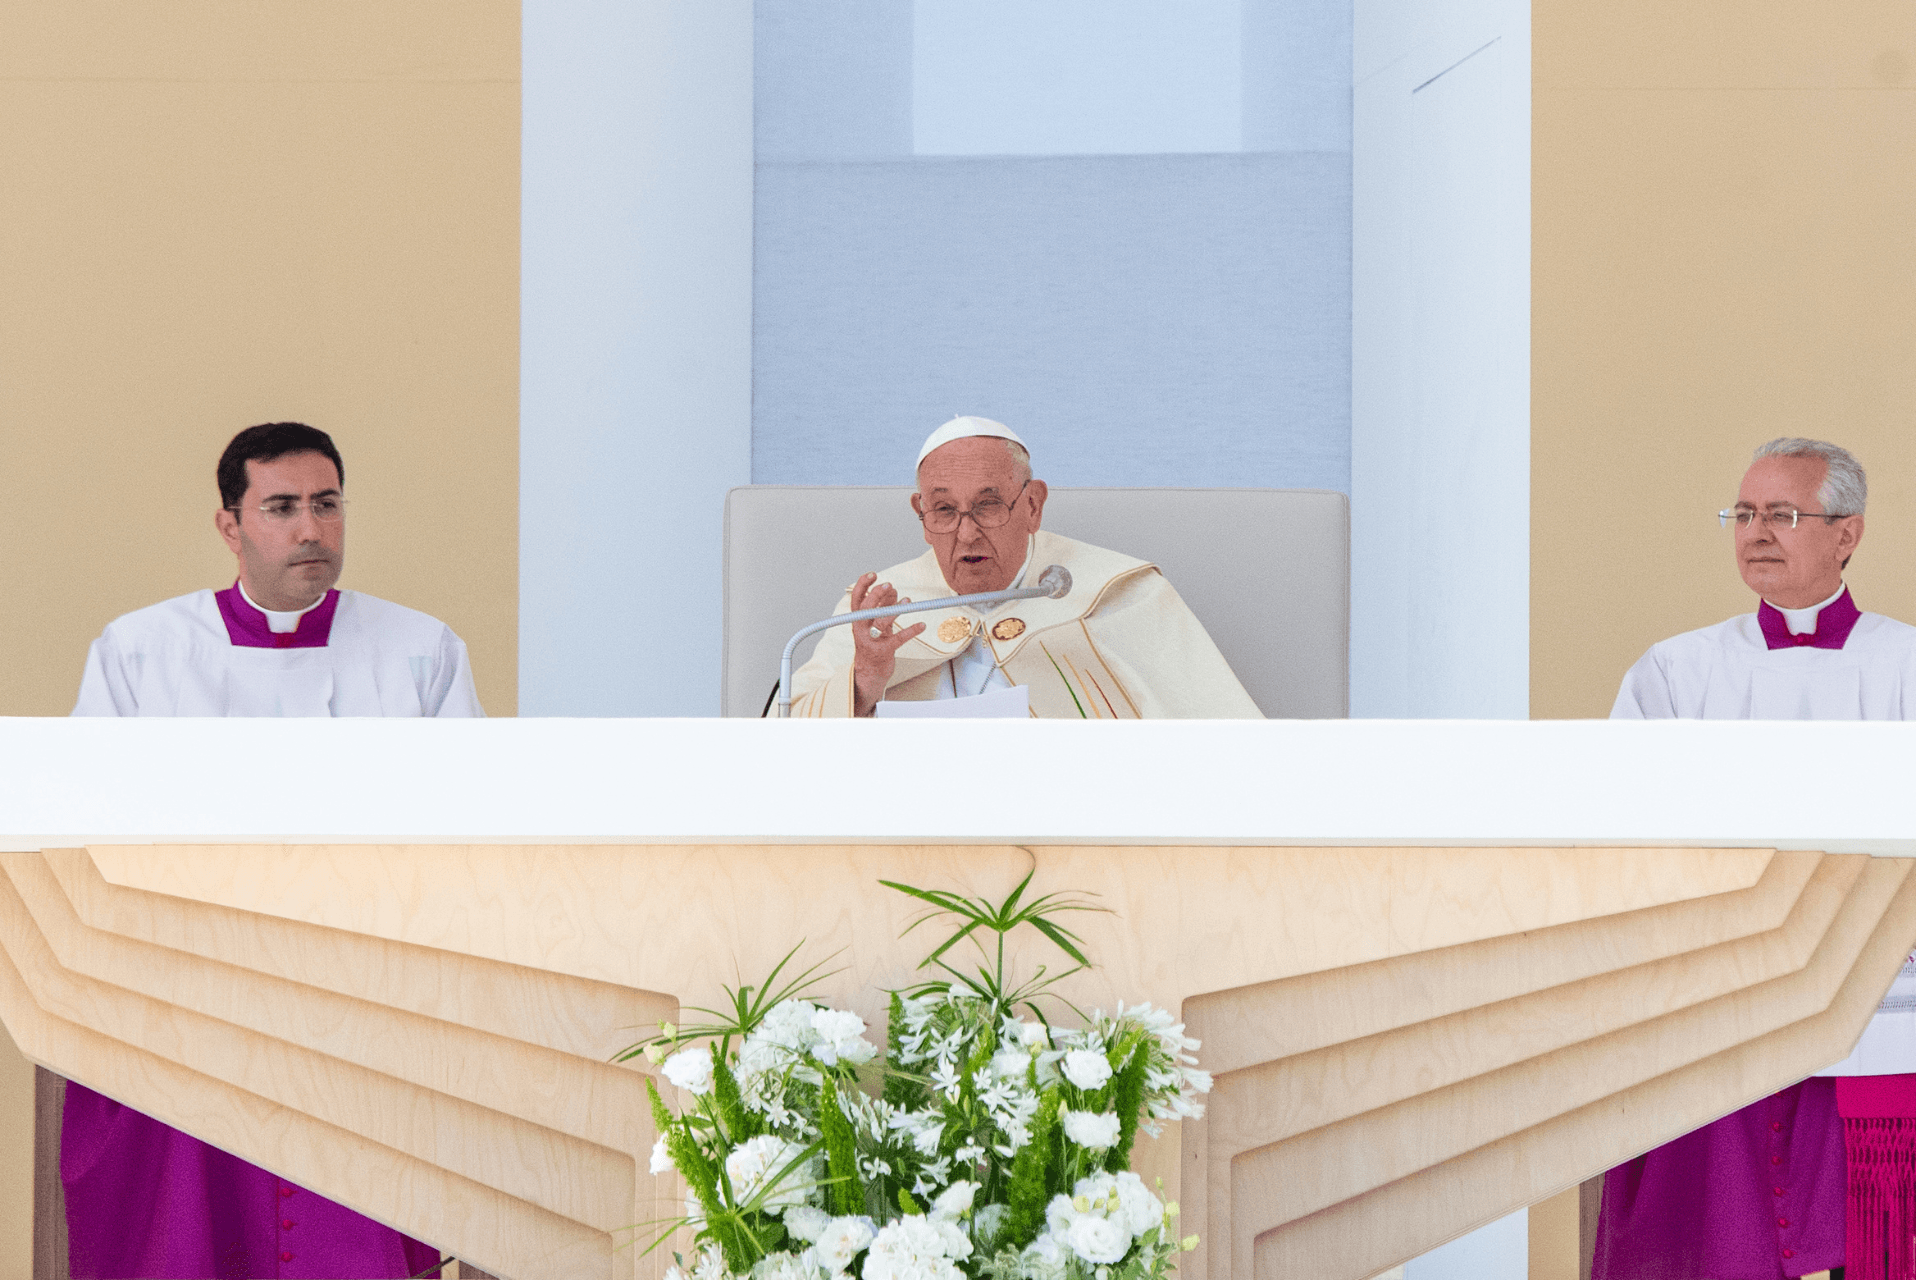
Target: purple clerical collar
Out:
[247,627]
[1830,630]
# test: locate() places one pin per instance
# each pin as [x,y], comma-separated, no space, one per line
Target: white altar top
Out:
[1837,787]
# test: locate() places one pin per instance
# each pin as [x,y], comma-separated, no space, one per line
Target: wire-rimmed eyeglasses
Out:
[988,513]
[1776,519]
[280,510]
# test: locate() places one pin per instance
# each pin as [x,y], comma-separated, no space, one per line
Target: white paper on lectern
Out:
[995,704]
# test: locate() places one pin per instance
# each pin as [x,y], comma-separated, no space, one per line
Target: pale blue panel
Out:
[1075,77]
[1497,1251]
[1165,320]
[635,393]
[833,79]
[1296,82]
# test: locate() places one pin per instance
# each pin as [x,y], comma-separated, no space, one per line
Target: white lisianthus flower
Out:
[1034,1036]
[1060,1214]
[857,1052]
[786,1266]
[1098,1130]
[696,1216]
[1046,1256]
[842,1238]
[988,1221]
[1085,1069]
[690,1069]
[760,1056]
[789,1024]
[954,1201]
[889,1267]
[1099,1240]
[751,1164]
[1010,1062]
[916,1248]
[1140,1209]
[661,1162]
[804,1222]
[840,1033]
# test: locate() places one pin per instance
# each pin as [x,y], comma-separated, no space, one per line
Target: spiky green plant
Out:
[748,1005]
[980,916]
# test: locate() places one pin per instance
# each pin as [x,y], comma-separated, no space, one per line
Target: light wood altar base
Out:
[1408,1042]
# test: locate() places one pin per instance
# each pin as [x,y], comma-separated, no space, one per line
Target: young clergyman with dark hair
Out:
[144,1199]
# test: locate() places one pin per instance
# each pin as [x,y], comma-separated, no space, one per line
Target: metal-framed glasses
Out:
[1776,519]
[988,513]
[281,510]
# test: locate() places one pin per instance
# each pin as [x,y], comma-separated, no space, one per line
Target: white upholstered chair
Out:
[1264,569]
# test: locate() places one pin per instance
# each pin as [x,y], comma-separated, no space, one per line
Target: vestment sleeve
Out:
[104,687]
[1163,657]
[452,694]
[823,686]
[1645,692]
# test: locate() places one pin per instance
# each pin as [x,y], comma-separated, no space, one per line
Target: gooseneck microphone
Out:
[1054,583]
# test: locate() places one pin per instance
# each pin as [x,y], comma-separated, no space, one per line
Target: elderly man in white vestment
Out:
[1807,653]
[281,641]
[1120,645]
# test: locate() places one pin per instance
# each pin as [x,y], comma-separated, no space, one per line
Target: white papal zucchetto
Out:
[960,429]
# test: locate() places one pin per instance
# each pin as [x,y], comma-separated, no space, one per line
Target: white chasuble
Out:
[176,658]
[1727,672]
[1121,645]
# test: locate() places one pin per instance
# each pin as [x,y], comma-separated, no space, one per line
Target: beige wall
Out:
[16,1162]
[1723,252]
[223,212]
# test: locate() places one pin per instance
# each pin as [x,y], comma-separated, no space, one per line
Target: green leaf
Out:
[1035,1175]
[837,1133]
[1129,1091]
[737,1122]
[977,916]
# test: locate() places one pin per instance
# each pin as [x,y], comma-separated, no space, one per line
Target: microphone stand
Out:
[1054,583]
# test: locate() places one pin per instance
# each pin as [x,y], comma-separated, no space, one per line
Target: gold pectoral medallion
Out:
[1008,629]
[954,630]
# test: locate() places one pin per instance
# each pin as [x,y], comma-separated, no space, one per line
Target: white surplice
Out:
[175,659]
[1726,672]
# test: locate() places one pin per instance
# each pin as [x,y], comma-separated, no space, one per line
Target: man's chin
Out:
[968,584]
[316,577]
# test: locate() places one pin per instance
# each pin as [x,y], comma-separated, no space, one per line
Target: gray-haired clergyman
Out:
[1807,653]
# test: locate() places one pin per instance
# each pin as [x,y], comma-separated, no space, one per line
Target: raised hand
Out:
[876,642]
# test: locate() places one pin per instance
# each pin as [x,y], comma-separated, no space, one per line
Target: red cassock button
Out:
[287,1191]
[286,1255]
[1783,1222]
[1770,1160]
[286,1224]
[1779,1191]
[1776,1126]
[1786,1253]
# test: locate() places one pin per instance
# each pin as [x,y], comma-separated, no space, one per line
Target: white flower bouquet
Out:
[986,1143]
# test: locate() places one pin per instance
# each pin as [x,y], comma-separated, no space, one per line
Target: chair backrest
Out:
[1265,570]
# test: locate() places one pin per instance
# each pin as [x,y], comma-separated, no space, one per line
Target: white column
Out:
[636,347]
[1441,306]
